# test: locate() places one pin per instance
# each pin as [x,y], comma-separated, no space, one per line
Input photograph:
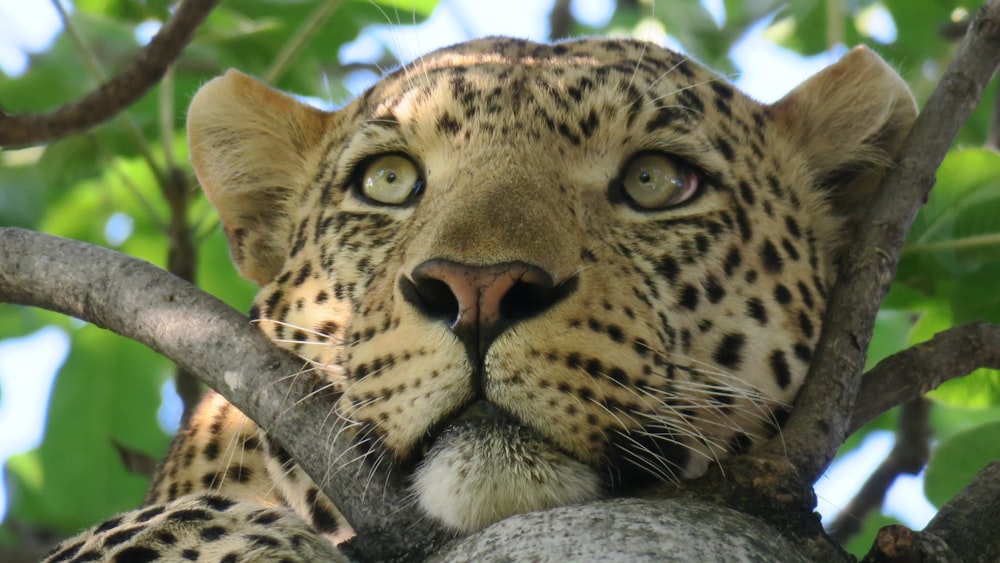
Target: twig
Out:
[560,20]
[121,91]
[140,301]
[821,419]
[913,372]
[295,44]
[908,457]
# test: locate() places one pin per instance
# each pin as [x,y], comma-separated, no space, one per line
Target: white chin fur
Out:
[478,474]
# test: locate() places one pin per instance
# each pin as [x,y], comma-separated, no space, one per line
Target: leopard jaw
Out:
[479,473]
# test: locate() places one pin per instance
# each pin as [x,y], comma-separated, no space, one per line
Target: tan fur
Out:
[669,338]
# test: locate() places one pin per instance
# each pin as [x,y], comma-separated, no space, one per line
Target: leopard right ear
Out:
[253,148]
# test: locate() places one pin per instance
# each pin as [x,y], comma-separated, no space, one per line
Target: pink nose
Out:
[479,302]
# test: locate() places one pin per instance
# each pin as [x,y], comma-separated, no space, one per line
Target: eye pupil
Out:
[390,177]
[645,177]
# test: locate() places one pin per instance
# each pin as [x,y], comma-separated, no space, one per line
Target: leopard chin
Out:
[480,472]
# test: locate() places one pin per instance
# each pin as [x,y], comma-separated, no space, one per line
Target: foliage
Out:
[106,187]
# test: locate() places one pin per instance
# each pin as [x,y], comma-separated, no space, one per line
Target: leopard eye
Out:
[656,181]
[391,179]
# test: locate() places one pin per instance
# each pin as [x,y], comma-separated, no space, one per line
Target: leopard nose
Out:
[479,302]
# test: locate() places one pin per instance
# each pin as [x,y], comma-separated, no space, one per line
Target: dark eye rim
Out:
[618,195]
[358,171]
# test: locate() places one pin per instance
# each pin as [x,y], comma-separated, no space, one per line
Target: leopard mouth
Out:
[482,466]
[474,413]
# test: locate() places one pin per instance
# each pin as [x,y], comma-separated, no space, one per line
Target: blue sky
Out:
[27,365]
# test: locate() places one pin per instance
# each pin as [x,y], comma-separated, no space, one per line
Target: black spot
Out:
[322,519]
[740,444]
[66,553]
[448,124]
[213,533]
[190,554]
[260,540]
[166,538]
[616,334]
[729,353]
[239,473]
[211,450]
[772,260]
[779,366]
[746,192]
[744,224]
[713,289]
[149,513]
[121,536]
[793,227]
[274,299]
[303,274]
[265,518]
[108,524]
[136,554]
[805,324]
[701,242]
[90,555]
[733,260]
[782,295]
[230,558]
[216,502]
[663,118]
[803,352]
[619,376]
[689,297]
[209,480]
[756,310]
[807,297]
[723,90]
[724,148]
[668,268]
[190,515]
[790,249]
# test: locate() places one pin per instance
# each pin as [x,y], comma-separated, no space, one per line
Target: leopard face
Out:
[543,274]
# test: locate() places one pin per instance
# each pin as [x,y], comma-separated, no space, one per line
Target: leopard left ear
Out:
[254,150]
[850,120]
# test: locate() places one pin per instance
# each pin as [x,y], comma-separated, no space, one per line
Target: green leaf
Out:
[107,391]
[957,459]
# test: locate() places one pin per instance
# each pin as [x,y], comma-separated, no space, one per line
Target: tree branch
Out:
[908,456]
[140,301]
[112,96]
[909,374]
[821,419]
[968,523]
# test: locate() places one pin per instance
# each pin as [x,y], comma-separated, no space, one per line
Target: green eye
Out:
[656,181]
[391,179]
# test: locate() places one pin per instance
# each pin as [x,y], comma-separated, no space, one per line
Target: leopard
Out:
[537,274]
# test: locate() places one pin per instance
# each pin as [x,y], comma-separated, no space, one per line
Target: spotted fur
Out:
[519,333]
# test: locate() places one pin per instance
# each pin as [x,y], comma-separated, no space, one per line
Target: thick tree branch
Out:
[968,523]
[821,419]
[140,301]
[964,530]
[112,96]
[921,368]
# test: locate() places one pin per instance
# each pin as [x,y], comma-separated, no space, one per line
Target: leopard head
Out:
[543,274]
